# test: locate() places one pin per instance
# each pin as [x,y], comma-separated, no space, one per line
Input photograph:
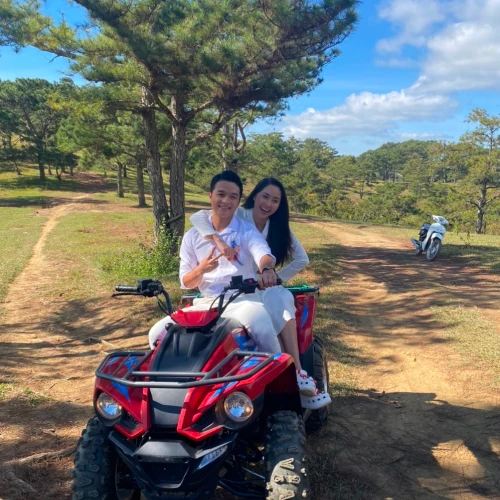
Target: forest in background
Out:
[60,126]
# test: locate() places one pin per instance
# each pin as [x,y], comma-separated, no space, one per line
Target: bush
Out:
[160,261]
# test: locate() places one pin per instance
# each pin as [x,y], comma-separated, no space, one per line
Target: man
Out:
[202,268]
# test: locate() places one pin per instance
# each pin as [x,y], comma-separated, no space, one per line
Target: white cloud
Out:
[368,114]
[460,51]
[464,56]
[425,136]
[414,20]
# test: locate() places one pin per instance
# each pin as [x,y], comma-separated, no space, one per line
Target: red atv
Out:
[202,409]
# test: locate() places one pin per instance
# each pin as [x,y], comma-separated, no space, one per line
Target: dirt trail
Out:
[425,425]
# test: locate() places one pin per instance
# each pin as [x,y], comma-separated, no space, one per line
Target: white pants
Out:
[247,309]
[280,305]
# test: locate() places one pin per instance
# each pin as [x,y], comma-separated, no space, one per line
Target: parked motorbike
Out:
[430,237]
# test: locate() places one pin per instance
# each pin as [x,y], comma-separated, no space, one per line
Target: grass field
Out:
[20,229]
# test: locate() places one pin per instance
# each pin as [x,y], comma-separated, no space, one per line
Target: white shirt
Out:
[195,248]
[201,221]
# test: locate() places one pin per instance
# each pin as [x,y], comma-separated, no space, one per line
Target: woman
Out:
[267,209]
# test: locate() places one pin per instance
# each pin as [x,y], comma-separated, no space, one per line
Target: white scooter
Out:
[431,237]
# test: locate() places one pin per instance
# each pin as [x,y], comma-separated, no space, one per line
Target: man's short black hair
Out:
[229,176]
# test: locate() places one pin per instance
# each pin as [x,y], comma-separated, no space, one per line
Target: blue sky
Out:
[413,69]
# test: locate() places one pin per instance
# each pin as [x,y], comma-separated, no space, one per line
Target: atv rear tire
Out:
[318,418]
[286,474]
[98,467]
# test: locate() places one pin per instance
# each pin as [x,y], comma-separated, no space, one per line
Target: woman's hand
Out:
[226,250]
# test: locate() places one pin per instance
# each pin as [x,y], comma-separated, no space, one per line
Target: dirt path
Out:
[424,425]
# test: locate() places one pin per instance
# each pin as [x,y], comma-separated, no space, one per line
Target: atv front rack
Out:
[133,360]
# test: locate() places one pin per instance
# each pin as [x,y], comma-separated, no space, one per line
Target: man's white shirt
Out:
[239,233]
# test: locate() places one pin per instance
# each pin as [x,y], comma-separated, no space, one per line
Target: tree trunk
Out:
[41,166]
[124,171]
[58,174]
[160,207]
[178,157]
[71,170]
[481,206]
[225,146]
[119,179]
[140,183]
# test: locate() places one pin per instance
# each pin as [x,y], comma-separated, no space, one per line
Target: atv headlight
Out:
[238,407]
[108,407]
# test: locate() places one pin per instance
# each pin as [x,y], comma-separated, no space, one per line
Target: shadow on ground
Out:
[407,445]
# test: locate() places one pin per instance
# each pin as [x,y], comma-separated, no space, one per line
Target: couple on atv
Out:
[221,245]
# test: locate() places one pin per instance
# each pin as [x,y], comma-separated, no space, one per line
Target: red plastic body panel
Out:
[135,400]
[187,318]
[200,399]
[305,306]
[277,377]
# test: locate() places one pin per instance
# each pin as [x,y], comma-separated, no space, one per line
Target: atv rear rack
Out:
[205,378]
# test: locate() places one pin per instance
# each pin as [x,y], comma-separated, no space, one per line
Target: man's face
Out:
[225,199]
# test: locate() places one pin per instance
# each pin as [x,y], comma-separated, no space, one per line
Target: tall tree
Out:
[33,117]
[195,55]
[483,179]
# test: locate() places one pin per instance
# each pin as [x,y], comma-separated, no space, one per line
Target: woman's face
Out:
[266,202]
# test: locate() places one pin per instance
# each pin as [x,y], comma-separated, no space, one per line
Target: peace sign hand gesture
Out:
[209,263]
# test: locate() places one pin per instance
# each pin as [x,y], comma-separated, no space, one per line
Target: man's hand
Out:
[267,278]
[209,263]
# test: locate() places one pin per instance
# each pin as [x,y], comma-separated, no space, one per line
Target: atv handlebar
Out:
[147,288]
[127,289]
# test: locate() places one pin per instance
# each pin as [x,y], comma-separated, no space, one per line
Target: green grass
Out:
[81,242]
[19,231]
[33,398]
[27,189]
[473,336]
[4,389]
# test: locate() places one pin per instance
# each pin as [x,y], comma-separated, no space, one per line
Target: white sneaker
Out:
[315,402]
[307,385]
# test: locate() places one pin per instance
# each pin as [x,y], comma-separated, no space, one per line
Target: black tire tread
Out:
[95,459]
[285,457]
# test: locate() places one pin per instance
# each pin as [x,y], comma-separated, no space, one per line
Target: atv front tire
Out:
[286,474]
[99,472]
[318,418]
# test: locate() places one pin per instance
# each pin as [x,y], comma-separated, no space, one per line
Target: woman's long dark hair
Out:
[279,236]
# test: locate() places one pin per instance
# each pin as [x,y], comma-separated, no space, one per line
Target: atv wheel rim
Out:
[123,477]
